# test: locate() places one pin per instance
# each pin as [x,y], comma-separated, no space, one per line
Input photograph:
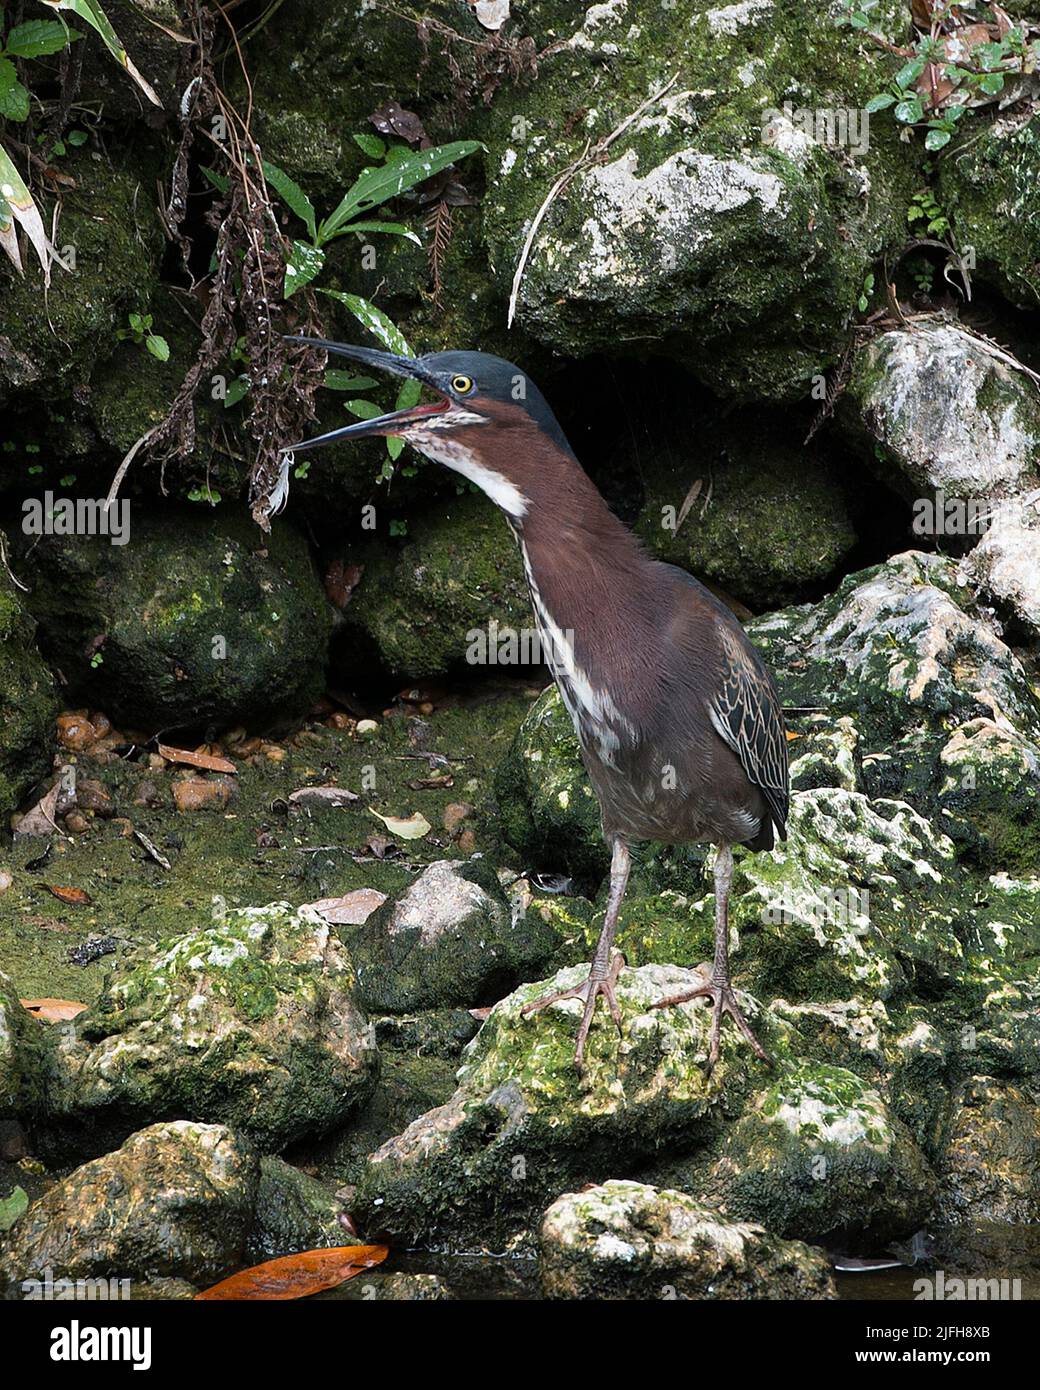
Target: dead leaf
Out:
[340,582]
[40,820]
[322,796]
[379,846]
[492,14]
[75,897]
[792,736]
[53,1010]
[298,1276]
[205,760]
[432,784]
[352,909]
[413,828]
[393,119]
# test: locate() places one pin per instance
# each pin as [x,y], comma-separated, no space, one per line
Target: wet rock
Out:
[249,1021]
[522,1125]
[429,606]
[549,813]
[769,522]
[989,1166]
[200,793]
[23,1045]
[398,1287]
[202,620]
[293,1212]
[819,1156]
[1003,564]
[28,699]
[626,1240]
[450,938]
[174,1202]
[990,794]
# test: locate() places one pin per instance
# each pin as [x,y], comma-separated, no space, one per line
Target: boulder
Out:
[28,699]
[174,1202]
[523,1126]
[989,1166]
[202,620]
[249,1021]
[450,938]
[626,1240]
[22,1055]
[293,1212]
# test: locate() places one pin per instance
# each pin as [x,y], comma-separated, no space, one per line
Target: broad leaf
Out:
[16,201]
[376,186]
[292,195]
[298,1276]
[394,228]
[336,380]
[38,37]
[14,99]
[304,263]
[374,320]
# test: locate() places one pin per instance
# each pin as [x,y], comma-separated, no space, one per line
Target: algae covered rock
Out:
[22,1055]
[627,1240]
[174,1202]
[991,793]
[28,699]
[428,606]
[989,1165]
[293,1212]
[450,938]
[523,1126]
[771,524]
[196,620]
[713,227]
[819,1156]
[549,813]
[249,1021]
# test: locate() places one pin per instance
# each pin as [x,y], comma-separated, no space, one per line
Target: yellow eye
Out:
[462,385]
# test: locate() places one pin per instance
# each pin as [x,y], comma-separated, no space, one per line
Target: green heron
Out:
[680,727]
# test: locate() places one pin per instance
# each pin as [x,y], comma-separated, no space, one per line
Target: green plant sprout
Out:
[140,332]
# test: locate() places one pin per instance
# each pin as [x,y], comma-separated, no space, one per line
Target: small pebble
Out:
[76,732]
[454,814]
[366,727]
[76,823]
[196,794]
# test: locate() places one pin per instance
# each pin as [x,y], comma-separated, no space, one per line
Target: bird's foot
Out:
[588,991]
[722,995]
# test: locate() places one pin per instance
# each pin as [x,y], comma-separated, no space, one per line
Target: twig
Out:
[590,156]
[128,459]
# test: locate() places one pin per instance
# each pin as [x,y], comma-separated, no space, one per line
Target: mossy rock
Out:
[820,1157]
[768,524]
[523,1125]
[429,606]
[627,1240]
[990,1160]
[991,795]
[450,938]
[248,1021]
[28,699]
[174,1202]
[199,619]
[23,1055]
[109,219]
[990,186]
[293,1212]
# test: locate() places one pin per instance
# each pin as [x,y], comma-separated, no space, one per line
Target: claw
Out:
[725,1002]
[588,991]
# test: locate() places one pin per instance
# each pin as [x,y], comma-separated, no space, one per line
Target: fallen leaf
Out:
[432,784]
[341,580]
[792,736]
[75,897]
[492,14]
[40,820]
[298,1276]
[322,796]
[205,760]
[53,1010]
[412,828]
[13,1208]
[352,909]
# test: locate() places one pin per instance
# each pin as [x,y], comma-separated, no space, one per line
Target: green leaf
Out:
[364,410]
[304,263]
[909,72]
[38,37]
[377,186]
[337,380]
[992,83]
[913,212]
[880,103]
[394,228]
[236,391]
[13,1208]
[136,322]
[909,111]
[394,445]
[91,11]
[372,145]
[158,346]
[374,320]
[219,181]
[936,139]
[76,138]
[292,195]
[14,99]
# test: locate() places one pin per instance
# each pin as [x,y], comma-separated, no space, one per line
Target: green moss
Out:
[28,700]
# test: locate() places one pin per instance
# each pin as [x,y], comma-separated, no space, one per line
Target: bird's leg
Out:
[718,989]
[604,970]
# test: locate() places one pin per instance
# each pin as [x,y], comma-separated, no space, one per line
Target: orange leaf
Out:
[53,1010]
[206,760]
[297,1276]
[75,897]
[791,736]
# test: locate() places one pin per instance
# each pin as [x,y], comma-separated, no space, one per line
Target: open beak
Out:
[397,421]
